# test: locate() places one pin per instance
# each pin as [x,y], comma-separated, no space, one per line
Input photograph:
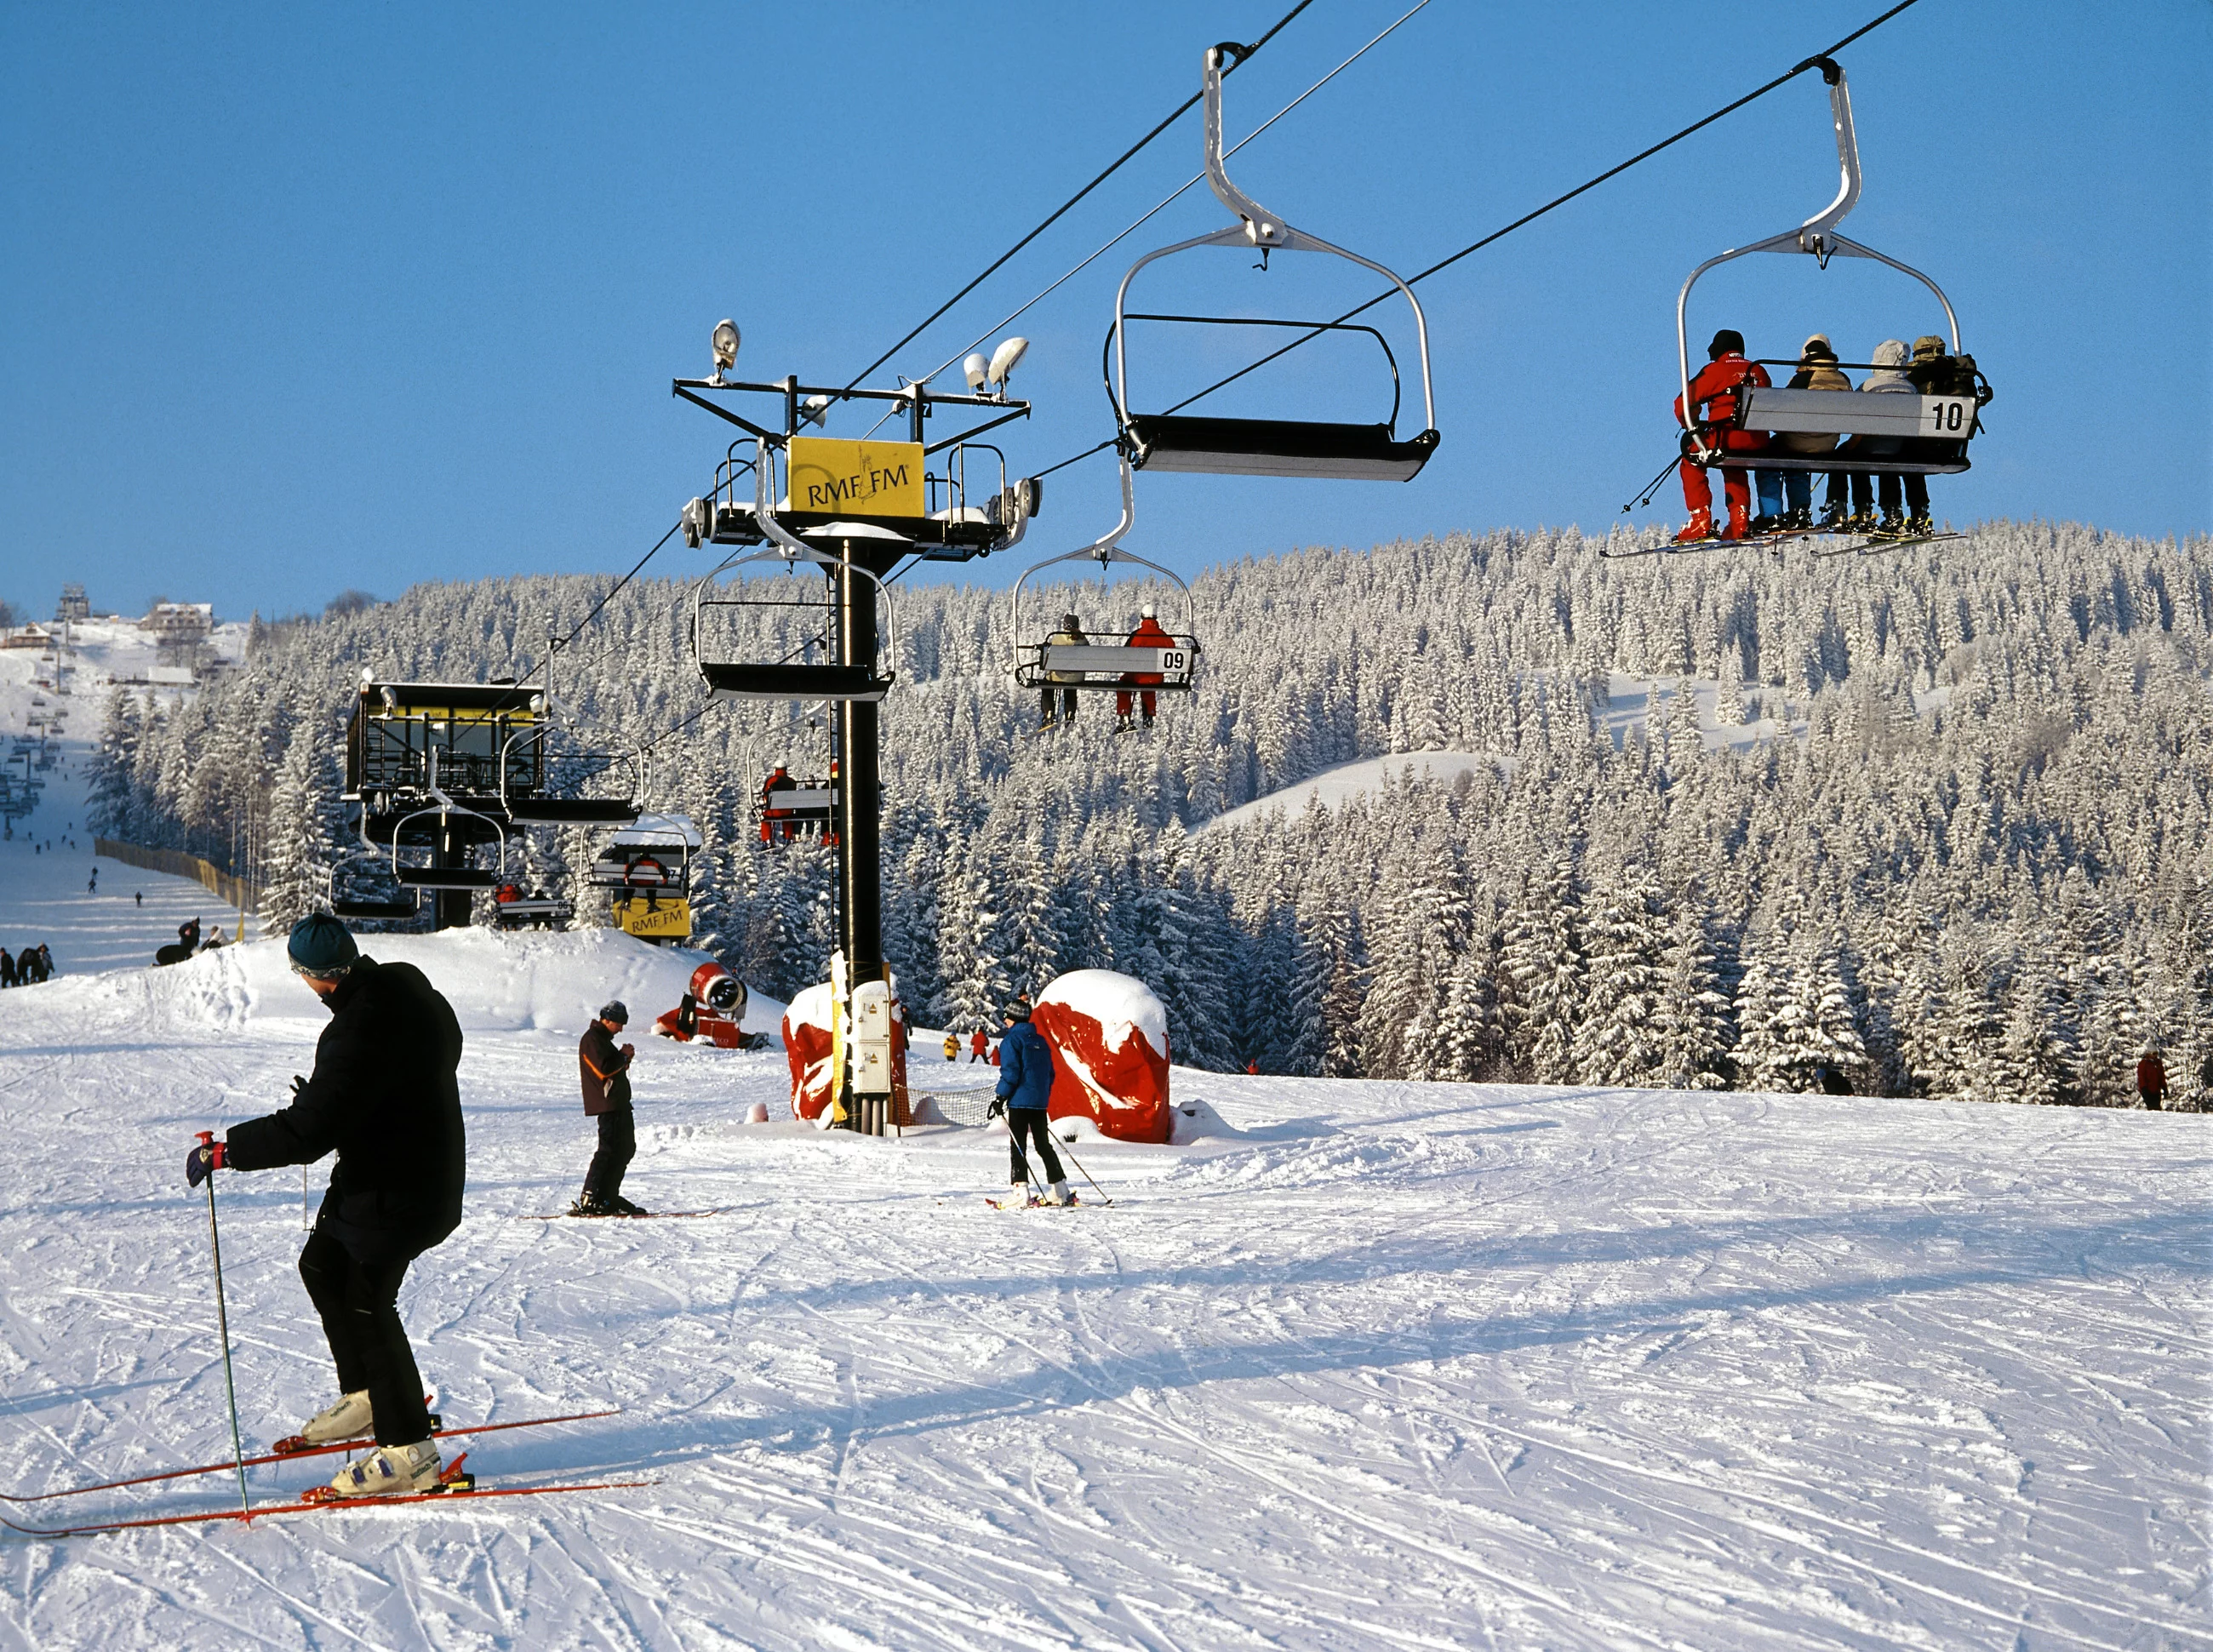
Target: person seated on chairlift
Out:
[1713,403]
[1148,634]
[779,780]
[1070,633]
[1817,370]
[1933,372]
[1888,379]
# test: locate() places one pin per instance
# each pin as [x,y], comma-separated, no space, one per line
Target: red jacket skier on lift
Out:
[1714,391]
[1148,634]
[772,816]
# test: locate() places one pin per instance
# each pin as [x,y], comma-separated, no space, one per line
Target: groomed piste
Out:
[1355,1364]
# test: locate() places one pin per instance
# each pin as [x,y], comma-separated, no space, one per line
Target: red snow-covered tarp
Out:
[1109,1036]
[807,1049]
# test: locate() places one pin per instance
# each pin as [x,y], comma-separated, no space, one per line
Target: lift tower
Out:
[854,509]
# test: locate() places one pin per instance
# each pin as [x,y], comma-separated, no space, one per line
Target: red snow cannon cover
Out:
[1110,1044]
[807,1047]
[715,993]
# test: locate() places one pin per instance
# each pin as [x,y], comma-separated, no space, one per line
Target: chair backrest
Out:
[1838,413]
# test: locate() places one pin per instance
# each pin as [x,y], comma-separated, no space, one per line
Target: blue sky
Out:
[303,298]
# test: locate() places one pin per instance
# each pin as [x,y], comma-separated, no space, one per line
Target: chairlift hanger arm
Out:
[1256,226]
[1105,549]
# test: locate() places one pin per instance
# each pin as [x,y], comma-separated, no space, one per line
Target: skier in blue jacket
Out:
[1026,1086]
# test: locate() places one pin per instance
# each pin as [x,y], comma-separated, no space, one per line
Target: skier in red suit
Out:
[1148,634]
[1714,391]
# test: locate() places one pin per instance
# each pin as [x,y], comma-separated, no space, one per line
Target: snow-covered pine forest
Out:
[1930,823]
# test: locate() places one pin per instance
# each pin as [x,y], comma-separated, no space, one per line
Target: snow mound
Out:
[517,982]
[1334,788]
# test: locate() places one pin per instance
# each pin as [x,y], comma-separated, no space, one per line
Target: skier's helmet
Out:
[1145,613]
[1727,339]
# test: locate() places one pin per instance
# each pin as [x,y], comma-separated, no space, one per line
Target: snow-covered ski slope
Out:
[1375,1364]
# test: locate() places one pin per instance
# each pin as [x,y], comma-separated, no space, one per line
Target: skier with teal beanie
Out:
[384,1098]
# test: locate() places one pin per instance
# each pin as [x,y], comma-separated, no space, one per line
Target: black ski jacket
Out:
[384,1096]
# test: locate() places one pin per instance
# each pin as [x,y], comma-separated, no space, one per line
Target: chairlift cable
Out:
[577,630]
[1062,208]
[1165,201]
[1526,218]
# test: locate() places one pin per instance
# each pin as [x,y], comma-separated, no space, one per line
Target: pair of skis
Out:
[453,1484]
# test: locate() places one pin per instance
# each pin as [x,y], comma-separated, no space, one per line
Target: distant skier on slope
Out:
[384,1095]
[1026,1086]
[605,1073]
[2151,1078]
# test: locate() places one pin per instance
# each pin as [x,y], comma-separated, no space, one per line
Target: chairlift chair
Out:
[788,680]
[1265,446]
[1104,666]
[1949,420]
[445,808]
[382,912]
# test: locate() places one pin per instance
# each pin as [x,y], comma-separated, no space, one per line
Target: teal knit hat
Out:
[322,947]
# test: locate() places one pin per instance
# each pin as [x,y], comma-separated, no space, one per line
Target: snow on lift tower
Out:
[1043,663]
[647,866]
[1266,446]
[1928,433]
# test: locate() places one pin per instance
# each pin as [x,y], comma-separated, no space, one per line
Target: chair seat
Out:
[571,811]
[794,682]
[448,877]
[1850,463]
[379,910]
[1273,447]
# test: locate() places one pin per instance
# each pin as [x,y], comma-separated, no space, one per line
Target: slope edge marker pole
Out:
[222,1331]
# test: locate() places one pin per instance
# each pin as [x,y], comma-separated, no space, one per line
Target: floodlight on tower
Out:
[726,347]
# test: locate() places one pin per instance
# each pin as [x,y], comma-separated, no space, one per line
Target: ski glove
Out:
[203,1162]
[299,1086]
[997,1110]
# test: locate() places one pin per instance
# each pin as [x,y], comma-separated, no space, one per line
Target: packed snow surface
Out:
[1351,1364]
[1360,1364]
[1334,788]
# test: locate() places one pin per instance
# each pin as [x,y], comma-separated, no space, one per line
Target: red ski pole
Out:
[223,1330]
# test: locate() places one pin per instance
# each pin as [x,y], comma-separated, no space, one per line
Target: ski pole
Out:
[1086,1174]
[223,1330]
[1644,494]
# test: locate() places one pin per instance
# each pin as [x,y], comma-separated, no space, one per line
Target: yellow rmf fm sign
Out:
[856,478]
[659,920]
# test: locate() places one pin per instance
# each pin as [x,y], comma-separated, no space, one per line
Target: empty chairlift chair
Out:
[1265,446]
[1939,427]
[802,678]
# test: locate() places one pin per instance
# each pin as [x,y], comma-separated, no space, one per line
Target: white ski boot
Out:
[1060,1195]
[390,1470]
[349,1419]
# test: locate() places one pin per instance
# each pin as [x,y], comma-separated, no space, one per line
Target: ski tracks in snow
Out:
[1401,1366]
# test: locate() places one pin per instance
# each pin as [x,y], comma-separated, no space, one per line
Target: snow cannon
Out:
[808,1047]
[711,1008]
[1109,1037]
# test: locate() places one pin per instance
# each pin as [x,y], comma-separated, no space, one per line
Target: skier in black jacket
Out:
[604,1070]
[383,1096]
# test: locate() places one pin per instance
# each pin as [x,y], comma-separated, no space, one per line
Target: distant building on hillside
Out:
[27,636]
[179,624]
[72,606]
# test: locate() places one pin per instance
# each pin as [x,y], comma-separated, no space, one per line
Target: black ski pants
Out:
[617,1147]
[359,1302]
[1033,1121]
